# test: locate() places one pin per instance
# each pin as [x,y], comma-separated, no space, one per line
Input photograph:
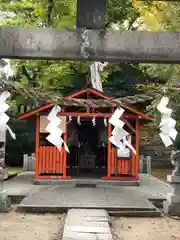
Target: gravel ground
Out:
[20,226]
[163,228]
[161,173]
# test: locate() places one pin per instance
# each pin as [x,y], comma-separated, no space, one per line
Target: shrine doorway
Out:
[87,142]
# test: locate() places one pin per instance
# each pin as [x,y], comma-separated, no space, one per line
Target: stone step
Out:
[155,213]
[86,185]
[87,236]
[92,218]
[73,182]
[88,212]
[87,224]
[58,209]
[57,199]
[87,229]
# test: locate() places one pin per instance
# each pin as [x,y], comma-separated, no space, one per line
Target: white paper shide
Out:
[120,138]
[167,124]
[55,136]
[4,118]
[5,72]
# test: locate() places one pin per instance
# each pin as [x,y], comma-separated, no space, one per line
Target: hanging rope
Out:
[85,43]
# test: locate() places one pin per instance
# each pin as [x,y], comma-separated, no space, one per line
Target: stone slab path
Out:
[87,224]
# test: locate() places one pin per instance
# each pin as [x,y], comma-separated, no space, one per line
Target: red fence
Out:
[124,166]
[50,161]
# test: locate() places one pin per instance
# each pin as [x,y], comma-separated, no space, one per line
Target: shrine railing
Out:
[122,166]
[50,161]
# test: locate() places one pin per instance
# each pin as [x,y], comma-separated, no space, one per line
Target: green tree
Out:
[62,77]
[162,16]
[42,75]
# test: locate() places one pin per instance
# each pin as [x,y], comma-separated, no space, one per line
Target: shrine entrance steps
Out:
[122,201]
[85,181]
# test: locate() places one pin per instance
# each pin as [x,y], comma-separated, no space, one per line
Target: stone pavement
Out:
[58,198]
[150,187]
[108,197]
[87,224]
[20,185]
[153,188]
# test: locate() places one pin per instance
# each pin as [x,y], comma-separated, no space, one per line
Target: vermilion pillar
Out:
[37,144]
[64,156]
[109,151]
[137,147]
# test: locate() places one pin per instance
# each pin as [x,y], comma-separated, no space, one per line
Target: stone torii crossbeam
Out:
[110,46]
[105,45]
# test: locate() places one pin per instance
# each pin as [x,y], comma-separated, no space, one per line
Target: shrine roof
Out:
[103,101]
[88,90]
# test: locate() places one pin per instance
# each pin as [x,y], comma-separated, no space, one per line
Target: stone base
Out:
[5,202]
[172,205]
[173,198]
[172,209]
[75,182]
[173,179]
[5,174]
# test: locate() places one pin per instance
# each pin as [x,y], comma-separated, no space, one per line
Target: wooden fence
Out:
[145,164]
[51,160]
[122,166]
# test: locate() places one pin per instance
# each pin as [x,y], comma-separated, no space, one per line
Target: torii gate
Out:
[103,45]
[96,44]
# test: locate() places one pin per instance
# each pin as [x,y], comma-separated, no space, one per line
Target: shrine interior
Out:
[88,148]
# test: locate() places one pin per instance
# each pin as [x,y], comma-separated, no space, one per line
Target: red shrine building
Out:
[86,131]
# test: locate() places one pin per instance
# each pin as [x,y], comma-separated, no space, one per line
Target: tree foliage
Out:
[162,16]
[63,77]
[42,75]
